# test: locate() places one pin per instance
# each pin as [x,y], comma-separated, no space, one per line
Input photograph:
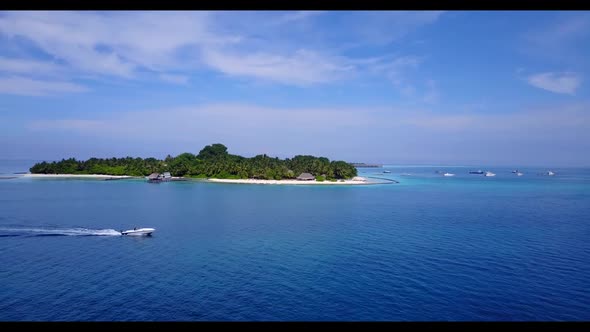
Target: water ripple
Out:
[462,250]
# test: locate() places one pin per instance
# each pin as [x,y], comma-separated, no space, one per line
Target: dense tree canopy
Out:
[213,161]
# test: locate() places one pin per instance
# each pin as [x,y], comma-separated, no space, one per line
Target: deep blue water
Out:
[429,248]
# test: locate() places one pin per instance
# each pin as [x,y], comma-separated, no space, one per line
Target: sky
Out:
[393,87]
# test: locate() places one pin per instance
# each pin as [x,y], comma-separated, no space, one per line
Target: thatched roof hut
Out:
[305,177]
[153,176]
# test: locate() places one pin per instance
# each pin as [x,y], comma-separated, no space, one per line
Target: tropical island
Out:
[213,162]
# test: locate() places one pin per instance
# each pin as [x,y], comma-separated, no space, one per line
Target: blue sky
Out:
[425,87]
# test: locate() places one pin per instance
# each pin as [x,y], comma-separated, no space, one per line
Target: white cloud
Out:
[27,66]
[564,83]
[114,43]
[391,65]
[246,44]
[30,87]
[302,68]
[394,68]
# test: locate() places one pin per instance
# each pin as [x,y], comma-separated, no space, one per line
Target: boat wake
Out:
[46,231]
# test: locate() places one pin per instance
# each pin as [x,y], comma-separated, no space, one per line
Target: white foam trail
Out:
[63,231]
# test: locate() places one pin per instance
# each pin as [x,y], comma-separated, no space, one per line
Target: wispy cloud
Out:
[249,45]
[564,82]
[301,68]
[27,66]
[394,68]
[30,87]
[390,65]
[113,43]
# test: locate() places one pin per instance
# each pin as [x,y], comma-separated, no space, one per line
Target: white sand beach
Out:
[357,181]
[83,176]
[255,181]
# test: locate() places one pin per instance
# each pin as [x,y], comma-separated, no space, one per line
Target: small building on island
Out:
[305,177]
[157,177]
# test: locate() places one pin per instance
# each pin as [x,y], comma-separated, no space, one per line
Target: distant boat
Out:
[139,232]
[550,173]
[515,171]
[448,174]
[519,174]
[386,171]
[489,174]
[365,165]
[476,172]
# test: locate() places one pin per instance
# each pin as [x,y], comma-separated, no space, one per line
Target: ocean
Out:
[429,248]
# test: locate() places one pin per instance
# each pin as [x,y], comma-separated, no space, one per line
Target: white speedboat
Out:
[139,231]
[550,173]
[448,174]
[519,174]
[489,174]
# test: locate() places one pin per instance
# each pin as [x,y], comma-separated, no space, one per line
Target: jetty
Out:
[366,165]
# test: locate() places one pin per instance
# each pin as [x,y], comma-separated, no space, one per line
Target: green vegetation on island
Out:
[213,161]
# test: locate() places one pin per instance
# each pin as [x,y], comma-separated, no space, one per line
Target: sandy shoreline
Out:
[254,181]
[86,176]
[241,181]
